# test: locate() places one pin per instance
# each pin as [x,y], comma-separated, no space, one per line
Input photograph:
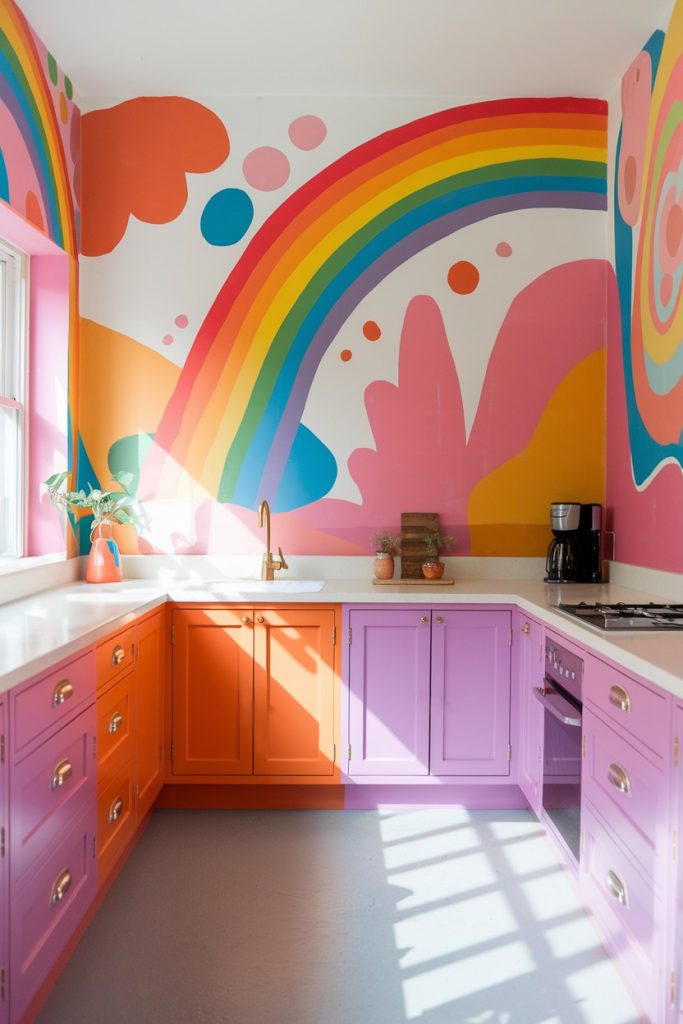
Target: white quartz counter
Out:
[39,631]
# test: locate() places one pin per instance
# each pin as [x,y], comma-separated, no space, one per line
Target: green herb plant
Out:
[436,542]
[386,542]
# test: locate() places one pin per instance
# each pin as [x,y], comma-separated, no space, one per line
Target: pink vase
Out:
[104,560]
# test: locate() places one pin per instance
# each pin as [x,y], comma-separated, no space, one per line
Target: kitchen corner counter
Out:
[38,631]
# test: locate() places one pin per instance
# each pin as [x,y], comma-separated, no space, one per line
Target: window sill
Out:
[21,577]
[9,566]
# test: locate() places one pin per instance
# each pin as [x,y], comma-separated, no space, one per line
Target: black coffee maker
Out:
[574,555]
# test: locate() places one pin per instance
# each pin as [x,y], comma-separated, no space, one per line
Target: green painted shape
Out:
[52,68]
[127,456]
[68,88]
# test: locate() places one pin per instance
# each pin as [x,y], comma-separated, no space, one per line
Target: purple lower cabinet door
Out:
[389,692]
[530,668]
[46,907]
[470,717]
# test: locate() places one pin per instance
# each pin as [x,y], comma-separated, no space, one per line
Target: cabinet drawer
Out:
[46,908]
[50,787]
[630,704]
[634,927]
[628,790]
[115,656]
[115,820]
[114,726]
[49,702]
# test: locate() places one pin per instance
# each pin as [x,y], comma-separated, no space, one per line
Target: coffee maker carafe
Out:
[564,554]
[574,555]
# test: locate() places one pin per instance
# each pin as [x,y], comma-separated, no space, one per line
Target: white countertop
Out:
[39,631]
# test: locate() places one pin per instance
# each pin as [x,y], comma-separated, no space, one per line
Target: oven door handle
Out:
[558,707]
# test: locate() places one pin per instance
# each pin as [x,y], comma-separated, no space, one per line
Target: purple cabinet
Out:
[530,667]
[389,692]
[4,895]
[470,703]
[677,993]
[429,692]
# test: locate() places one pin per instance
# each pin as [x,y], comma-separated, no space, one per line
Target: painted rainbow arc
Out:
[243,388]
[25,92]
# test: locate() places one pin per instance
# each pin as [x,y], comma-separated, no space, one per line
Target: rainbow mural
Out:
[236,410]
[25,93]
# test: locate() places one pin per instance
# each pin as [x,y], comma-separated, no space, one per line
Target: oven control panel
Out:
[564,667]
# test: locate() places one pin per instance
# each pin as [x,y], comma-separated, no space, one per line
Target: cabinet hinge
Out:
[677,751]
[349,752]
[583,745]
[2,983]
[2,841]
[172,751]
[510,635]
[2,749]
[334,753]
[582,842]
[334,635]
[172,634]
[350,635]
[94,847]
[94,748]
[672,988]
[509,751]
[136,652]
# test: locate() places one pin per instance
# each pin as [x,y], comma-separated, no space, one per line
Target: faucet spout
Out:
[269,565]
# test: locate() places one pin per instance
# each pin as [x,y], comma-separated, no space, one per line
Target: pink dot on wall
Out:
[504,249]
[307,132]
[167,339]
[181,320]
[266,168]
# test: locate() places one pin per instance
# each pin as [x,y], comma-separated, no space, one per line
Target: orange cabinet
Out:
[149,722]
[254,693]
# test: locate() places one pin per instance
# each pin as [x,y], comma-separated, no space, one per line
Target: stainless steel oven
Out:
[561,697]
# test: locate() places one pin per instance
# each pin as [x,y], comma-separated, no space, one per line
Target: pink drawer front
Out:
[635,707]
[44,705]
[50,787]
[628,791]
[634,928]
[46,908]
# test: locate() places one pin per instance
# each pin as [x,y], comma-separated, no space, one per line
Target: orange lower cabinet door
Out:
[149,676]
[212,692]
[294,692]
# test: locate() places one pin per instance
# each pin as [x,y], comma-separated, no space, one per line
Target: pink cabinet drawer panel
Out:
[632,705]
[47,906]
[628,790]
[49,787]
[627,909]
[44,705]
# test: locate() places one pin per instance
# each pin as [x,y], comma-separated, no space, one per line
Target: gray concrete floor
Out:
[441,916]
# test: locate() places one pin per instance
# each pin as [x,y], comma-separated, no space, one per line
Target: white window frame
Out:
[14,365]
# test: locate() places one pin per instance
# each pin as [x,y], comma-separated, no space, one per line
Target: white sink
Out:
[232,587]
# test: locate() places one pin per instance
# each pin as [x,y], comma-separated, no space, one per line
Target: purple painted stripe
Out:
[380,269]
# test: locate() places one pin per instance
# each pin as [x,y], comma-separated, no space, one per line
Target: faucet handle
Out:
[283,564]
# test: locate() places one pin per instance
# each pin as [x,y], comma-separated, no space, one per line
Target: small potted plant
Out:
[386,546]
[435,542]
[106,508]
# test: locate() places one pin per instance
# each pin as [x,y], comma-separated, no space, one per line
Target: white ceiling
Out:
[455,48]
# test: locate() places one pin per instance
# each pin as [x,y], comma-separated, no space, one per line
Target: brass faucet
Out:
[269,564]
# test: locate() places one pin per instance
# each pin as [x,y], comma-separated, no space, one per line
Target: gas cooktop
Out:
[627,616]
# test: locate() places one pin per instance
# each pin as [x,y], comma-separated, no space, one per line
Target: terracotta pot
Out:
[432,570]
[104,560]
[384,566]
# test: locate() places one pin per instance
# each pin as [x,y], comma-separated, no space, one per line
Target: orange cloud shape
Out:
[134,160]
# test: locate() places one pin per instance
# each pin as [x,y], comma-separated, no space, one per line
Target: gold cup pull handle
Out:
[620,698]
[526,628]
[260,618]
[424,619]
[62,691]
[116,810]
[616,888]
[60,888]
[115,722]
[118,655]
[62,772]
[246,620]
[617,776]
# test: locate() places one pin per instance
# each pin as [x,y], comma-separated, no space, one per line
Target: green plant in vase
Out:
[435,542]
[386,546]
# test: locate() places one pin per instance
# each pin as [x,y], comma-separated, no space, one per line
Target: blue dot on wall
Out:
[227,217]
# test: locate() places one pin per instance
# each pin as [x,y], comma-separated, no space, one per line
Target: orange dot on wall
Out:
[33,211]
[345,355]
[463,277]
[371,330]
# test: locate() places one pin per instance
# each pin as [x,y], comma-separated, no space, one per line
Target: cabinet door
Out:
[470,719]
[530,669]
[149,687]
[4,895]
[678,816]
[212,692]
[389,692]
[294,692]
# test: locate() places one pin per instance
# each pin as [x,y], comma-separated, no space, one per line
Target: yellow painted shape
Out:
[564,461]
[123,388]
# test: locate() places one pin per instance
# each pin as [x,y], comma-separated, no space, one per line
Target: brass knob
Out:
[116,722]
[116,810]
[60,888]
[439,619]
[424,619]
[246,620]
[62,691]
[260,618]
[620,698]
[62,772]
[526,628]
[118,655]
[617,776]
